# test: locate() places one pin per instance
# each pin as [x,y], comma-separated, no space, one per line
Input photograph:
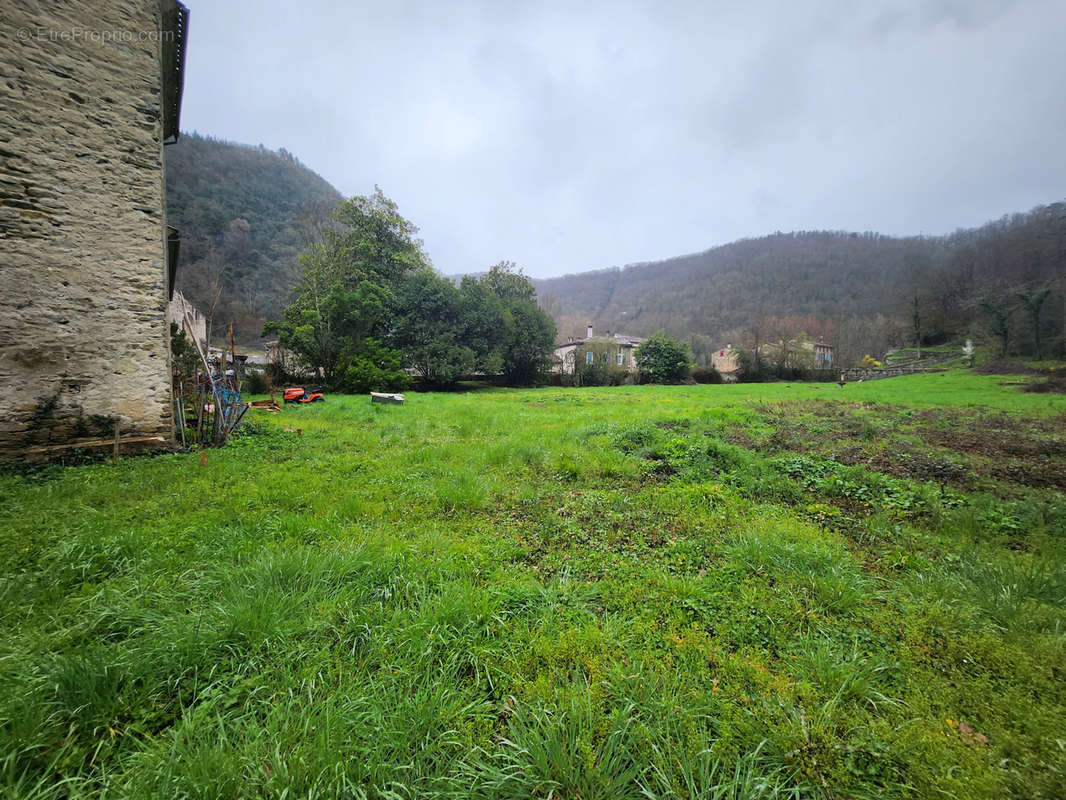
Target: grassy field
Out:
[660,592]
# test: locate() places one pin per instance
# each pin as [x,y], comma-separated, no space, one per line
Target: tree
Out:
[1033,302]
[482,312]
[431,329]
[184,359]
[368,240]
[526,334]
[662,359]
[916,324]
[999,323]
[342,322]
[374,366]
[507,282]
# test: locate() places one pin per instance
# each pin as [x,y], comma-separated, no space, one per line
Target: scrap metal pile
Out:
[215,408]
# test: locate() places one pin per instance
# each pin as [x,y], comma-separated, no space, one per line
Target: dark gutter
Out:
[173,245]
[174,35]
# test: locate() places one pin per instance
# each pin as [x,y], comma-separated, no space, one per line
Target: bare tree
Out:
[1033,302]
[916,324]
[1000,323]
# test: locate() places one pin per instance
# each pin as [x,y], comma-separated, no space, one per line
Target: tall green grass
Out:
[629,592]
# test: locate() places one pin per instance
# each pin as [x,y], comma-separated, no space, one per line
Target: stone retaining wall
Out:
[877,373]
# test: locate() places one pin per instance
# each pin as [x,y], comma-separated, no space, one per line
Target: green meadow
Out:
[753,591]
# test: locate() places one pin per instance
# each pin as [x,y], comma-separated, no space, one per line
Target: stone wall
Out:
[188,318]
[877,373]
[84,342]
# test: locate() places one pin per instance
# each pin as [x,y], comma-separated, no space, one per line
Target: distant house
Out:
[726,362]
[823,355]
[617,351]
[283,362]
[188,318]
[91,94]
[799,353]
[258,362]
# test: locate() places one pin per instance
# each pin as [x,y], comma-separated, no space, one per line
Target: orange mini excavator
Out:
[297,394]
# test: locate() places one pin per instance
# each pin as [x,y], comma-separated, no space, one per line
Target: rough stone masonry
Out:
[84,341]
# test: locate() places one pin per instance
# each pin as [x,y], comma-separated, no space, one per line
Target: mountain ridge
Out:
[246,213]
[821,279]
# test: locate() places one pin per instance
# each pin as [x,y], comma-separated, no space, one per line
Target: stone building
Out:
[90,94]
[726,362]
[823,355]
[617,351]
[187,318]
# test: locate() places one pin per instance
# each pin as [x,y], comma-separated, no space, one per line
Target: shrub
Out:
[662,359]
[255,382]
[185,360]
[598,373]
[375,368]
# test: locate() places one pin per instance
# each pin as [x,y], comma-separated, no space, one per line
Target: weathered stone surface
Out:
[84,341]
[852,374]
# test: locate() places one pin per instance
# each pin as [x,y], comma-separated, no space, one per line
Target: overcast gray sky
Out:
[571,136]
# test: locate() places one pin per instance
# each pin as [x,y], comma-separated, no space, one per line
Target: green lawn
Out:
[662,592]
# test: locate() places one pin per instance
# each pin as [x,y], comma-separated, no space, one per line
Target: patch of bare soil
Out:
[959,445]
[1014,452]
[995,444]
[1038,472]
[903,462]
[1004,366]
[1056,385]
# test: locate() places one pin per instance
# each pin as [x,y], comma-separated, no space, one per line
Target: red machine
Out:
[297,394]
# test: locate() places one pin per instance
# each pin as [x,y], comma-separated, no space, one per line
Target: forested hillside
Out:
[245,214]
[860,291]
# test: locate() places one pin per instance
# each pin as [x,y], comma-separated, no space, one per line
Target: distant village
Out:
[90,314]
[90,303]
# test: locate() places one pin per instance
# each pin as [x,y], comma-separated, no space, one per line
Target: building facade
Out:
[726,362]
[823,355]
[90,92]
[187,318]
[617,351]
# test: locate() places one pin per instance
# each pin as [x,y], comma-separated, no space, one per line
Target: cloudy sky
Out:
[571,136]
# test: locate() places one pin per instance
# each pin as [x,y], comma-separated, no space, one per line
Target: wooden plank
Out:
[127,444]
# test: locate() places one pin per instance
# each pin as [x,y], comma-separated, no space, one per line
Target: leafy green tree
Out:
[327,331]
[526,334]
[342,320]
[662,359]
[508,283]
[371,241]
[431,329]
[528,337]
[483,322]
[370,304]
[374,367]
